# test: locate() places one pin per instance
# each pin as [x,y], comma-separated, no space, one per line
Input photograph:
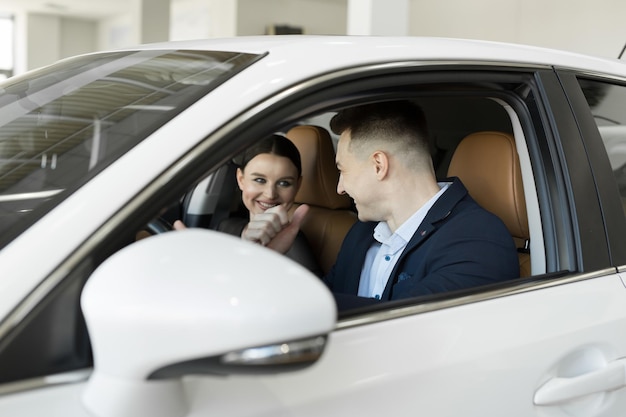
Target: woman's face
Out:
[266,181]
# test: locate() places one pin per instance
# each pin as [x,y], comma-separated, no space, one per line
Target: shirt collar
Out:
[382,232]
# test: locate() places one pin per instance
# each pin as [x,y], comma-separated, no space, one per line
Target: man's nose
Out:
[340,189]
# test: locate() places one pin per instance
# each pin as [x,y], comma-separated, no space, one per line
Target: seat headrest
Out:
[488,165]
[319,170]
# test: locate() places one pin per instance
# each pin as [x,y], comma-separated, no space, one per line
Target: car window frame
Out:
[607,189]
[570,256]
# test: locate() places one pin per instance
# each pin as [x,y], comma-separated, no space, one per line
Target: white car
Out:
[95,321]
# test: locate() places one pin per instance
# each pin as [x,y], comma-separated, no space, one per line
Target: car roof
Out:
[341,51]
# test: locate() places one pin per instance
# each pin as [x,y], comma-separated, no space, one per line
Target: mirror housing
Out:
[196,301]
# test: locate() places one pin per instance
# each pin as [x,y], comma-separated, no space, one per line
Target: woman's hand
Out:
[273,229]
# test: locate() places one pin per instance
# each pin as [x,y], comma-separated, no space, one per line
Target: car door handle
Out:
[558,390]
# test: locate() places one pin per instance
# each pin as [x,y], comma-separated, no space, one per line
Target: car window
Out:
[61,125]
[607,102]
[473,114]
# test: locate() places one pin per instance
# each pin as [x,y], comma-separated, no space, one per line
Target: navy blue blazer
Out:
[458,245]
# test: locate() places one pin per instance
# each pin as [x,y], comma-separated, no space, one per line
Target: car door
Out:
[537,353]
[547,345]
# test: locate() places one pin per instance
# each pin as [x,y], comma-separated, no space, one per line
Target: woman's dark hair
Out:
[274,145]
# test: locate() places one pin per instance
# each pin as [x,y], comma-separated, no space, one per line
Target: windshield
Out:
[61,125]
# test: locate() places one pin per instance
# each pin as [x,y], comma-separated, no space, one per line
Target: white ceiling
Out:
[87,9]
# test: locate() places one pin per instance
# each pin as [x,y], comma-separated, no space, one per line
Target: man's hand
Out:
[273,229]
[179,225]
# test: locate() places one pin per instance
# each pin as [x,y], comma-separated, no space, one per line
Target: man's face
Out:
[357,179]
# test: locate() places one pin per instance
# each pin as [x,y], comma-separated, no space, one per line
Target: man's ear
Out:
[380,162]
[240,178]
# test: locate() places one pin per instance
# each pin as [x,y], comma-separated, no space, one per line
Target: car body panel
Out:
[421,369]
[342,51]
[53,400]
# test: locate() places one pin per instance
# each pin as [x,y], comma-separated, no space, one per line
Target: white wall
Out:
[154,18]
[594,28]
[591,27]
[117,32]
[50,38]
[378,17]
[200,19]
[145,21]
[42,32]
[316,17]
[20,57]
[77,36]
[189,19]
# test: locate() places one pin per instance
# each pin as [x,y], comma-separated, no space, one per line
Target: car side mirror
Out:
[196,302]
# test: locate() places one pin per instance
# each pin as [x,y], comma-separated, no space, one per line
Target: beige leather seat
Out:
[488,165]
[330,216]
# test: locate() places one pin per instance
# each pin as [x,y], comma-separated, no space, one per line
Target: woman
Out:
[269,177]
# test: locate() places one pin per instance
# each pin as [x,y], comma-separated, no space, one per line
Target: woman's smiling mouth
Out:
[266,206]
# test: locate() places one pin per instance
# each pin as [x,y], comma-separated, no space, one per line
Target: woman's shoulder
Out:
[233,225]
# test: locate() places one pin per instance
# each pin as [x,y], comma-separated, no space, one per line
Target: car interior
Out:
[480,147]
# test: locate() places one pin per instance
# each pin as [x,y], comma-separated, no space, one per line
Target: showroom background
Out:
[48,30]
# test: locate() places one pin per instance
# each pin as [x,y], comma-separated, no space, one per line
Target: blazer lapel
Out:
[360,248]
[433,220]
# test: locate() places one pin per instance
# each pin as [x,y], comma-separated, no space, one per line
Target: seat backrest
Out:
[488,164]
[330,215]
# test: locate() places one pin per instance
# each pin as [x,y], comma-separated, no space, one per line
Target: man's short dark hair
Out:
[401,123]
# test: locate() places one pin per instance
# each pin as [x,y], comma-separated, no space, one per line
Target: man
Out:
[415,236]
